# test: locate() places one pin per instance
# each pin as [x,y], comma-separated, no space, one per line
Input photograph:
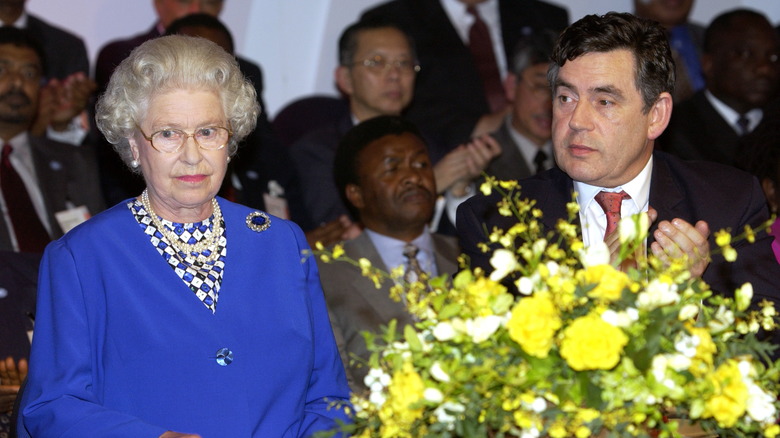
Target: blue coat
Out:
[122,347]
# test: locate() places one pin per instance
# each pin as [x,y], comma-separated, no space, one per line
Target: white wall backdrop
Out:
[293,40]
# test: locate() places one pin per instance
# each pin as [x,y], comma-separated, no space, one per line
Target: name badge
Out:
[70,218]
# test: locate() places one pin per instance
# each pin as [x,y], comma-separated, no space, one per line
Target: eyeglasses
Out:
[378,64]
[171,140]
[538,89]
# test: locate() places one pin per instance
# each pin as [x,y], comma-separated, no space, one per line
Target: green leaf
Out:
[411,338]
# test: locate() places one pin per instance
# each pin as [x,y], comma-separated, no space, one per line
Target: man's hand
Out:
[61,101]
[11,377]
[490,122]
[333,232]
[677,239]
[465,163]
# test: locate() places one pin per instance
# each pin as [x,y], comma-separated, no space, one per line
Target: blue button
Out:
[224,357]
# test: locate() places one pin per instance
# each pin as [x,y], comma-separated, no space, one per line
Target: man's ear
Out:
[659,114]
[510,84]
[344,80]
[355,196]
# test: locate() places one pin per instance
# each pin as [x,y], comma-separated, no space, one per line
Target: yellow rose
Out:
[533,324]
[729,400]
[590,343]
[480,293]
[609,282]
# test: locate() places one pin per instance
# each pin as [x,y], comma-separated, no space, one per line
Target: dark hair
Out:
[23,38]
[200,20]
[646,39]
[532,49]
[346,164]
[348,41]
[724,23]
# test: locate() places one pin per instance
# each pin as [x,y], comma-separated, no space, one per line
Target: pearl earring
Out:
[134,164]
[228,159]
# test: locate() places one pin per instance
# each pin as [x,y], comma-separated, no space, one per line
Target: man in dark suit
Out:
[609,107]
[524,136]
[60,180]
[450,101]
[385,174]
[741,65]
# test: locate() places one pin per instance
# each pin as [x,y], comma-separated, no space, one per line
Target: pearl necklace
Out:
[211,243]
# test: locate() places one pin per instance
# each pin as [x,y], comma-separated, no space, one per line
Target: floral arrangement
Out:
[585,349]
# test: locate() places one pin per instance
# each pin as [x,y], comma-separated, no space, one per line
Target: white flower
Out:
[722,320]
[743,296]
[760,405]
[595,254]
[623,319]
[553,267]
[525,285]
[657,294]
[444,331]
[686,344]
[659,367]
[678,362]
[376,380]
[377,398]
[531,432]
[446,413]
[539,405]
[438,373]
[504,262]
[482,327]
[688,311]
[633,227]
[539,246]
[433,395]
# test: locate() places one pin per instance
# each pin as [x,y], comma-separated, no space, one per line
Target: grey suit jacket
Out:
[355,305]
[67,176]
[511,164]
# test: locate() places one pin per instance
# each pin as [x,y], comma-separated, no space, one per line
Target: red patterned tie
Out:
[30,233]
[610,202]
[481,47]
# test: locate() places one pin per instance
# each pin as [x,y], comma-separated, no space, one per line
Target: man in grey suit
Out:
[384,174]
[525,135]
[60,180]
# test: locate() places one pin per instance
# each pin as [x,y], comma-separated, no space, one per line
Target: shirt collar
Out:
[638,188]
[754,116]
[528,149]
[391,249]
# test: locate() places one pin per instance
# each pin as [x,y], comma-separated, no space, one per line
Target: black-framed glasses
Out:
[171,140]
[379,64]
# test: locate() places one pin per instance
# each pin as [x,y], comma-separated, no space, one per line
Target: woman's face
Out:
[181,184]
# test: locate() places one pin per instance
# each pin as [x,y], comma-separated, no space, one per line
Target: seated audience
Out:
[741,65]
[464,47]
[525,134]
[612,79]
[47,187]
[384,172]
[377,68]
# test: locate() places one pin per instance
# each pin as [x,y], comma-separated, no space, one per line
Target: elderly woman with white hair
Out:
[178,313]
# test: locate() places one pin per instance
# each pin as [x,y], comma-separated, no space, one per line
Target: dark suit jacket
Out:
[66,174]
[448,93]
[511,164]
[722,196]
[698,132]
[115,52]
[65,53]
[18,281]
[312,157]
[355,305]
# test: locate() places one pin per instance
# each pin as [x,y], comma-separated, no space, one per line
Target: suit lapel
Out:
[511,163]
[379,299]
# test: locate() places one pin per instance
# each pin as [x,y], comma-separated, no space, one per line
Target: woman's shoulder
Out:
[257,221]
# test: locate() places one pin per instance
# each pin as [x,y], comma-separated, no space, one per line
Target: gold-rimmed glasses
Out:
[170,140]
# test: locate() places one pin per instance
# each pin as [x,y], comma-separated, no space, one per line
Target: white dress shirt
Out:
[592,216]
[753,116]
[392,251]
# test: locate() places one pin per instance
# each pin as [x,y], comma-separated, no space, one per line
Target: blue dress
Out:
[123,348]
